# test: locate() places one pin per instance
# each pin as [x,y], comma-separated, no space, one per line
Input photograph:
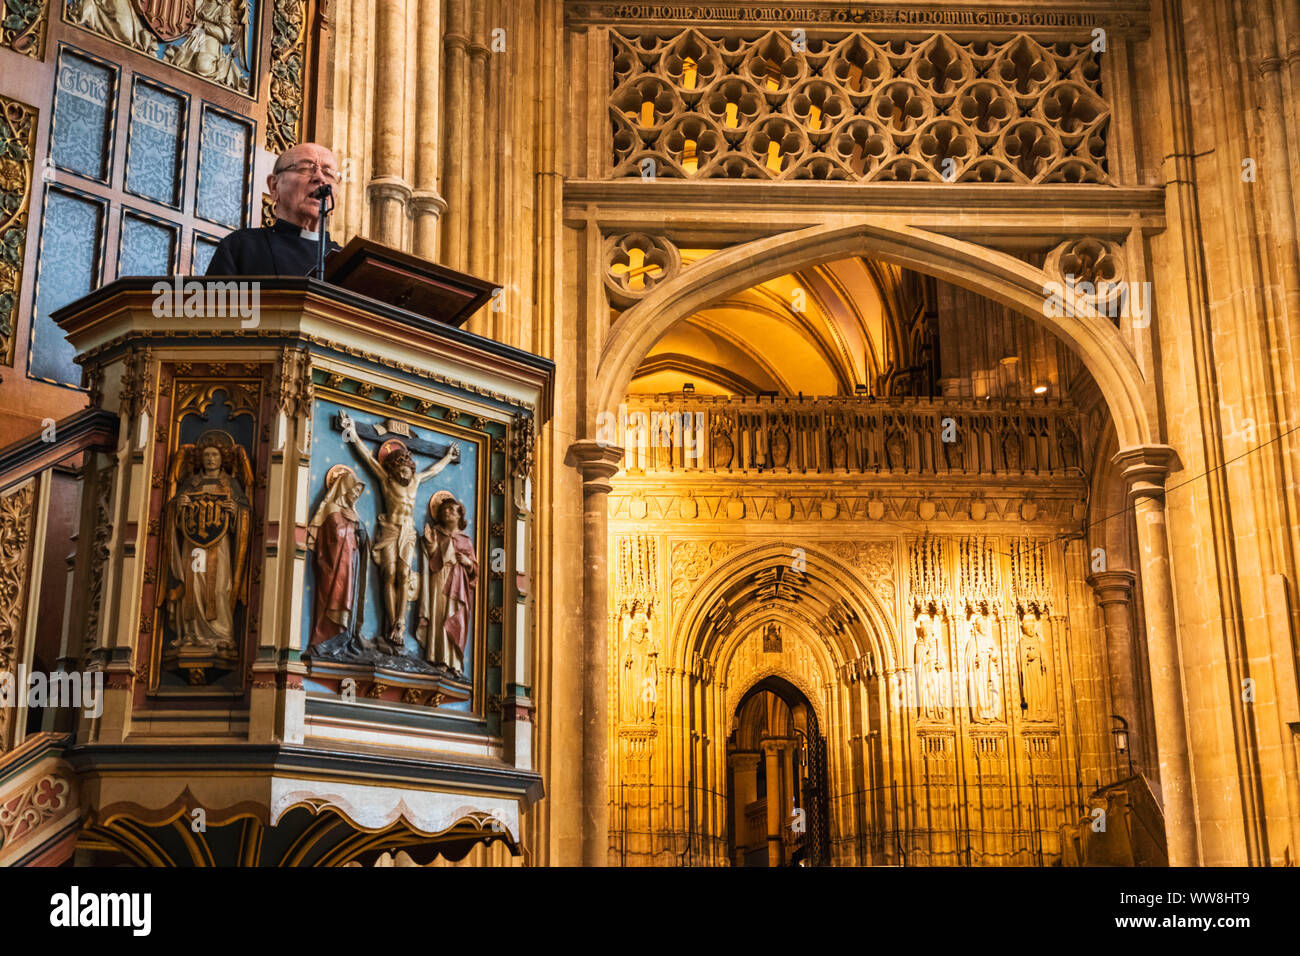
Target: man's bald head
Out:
[295,179]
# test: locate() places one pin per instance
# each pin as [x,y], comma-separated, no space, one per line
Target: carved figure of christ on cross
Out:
[394,545]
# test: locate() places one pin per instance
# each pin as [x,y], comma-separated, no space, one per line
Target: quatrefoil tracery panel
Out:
[855,109]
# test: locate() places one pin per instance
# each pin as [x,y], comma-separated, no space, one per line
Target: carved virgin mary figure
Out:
[450,575]
[340,547]
[1034,690]
[983,673]
[640,673]
[206,537]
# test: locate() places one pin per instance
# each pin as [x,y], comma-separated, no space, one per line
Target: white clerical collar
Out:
[311,234]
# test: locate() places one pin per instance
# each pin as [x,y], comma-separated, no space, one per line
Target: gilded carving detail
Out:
[288,45]
[207,38]
[17,516]
[17,143]
[23,27]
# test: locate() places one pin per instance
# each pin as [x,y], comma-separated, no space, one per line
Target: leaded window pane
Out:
[148,247]
[155,150]
[68,268]
[81,140]
[224,150]
[204,247]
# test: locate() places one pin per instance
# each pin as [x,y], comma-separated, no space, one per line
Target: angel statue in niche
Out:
[394,546]
[206,535]
[341,548]
[451,572]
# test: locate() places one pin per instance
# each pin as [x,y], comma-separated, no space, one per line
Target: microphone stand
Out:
[324,194]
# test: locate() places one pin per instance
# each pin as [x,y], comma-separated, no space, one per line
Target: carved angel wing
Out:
[182,465]
[243,470]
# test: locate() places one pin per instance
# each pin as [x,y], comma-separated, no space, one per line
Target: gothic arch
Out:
[875,634]
[1001,277]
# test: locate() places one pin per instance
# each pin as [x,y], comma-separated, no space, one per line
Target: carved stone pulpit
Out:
[302,571]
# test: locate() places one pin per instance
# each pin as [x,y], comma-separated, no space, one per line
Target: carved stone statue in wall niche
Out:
[639,675]
[207,534]
[1011,449]
[1035,688]
[931,669]
[983,672]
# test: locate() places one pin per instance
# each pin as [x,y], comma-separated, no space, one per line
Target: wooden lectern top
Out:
[406,281]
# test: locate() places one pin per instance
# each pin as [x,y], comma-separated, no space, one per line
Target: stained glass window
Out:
[147,246]
[68,268]
[154,151]
[84,97]
[223,168]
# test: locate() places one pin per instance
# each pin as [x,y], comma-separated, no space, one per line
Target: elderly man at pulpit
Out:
[288,248]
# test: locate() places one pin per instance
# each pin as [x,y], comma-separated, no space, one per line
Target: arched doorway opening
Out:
[776,780]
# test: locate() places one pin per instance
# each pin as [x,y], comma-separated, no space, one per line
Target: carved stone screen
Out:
[147,247]
[155,149]
[73,225]
[224,154]
[82,136]
[857,108]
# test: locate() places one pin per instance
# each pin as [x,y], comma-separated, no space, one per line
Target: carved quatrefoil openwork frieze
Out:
[853,108]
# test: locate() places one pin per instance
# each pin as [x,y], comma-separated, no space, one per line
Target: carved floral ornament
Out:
[636,263]
[856,108]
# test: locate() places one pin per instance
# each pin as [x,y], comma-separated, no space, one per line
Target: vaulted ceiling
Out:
[819,331]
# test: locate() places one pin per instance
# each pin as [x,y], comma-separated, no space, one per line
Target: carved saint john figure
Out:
[207,540]
[394,546]
[451,572]
[340,548]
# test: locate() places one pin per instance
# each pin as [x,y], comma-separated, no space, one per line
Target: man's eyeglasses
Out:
[309,168]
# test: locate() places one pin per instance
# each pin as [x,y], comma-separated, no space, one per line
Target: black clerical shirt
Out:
[281,250]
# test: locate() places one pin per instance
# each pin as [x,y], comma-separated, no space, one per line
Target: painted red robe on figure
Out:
[447,600]
[335,591]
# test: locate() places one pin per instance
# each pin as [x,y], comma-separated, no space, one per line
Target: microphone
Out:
[323,191]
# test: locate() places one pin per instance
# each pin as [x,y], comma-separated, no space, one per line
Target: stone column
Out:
[427,205]
[1114,591]
[772,759]
[1144,469]
[455,121]
[597,463]
[388,190]
[744,774]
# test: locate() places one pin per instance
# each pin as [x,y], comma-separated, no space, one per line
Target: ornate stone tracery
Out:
[848,106]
